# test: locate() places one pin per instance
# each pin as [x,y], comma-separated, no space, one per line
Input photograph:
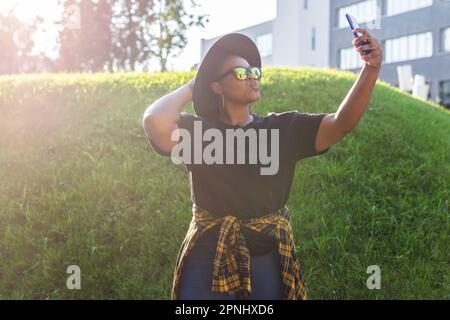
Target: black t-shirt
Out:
[240,189]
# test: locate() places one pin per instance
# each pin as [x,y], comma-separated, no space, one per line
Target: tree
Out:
[145,30]
[16,43]
[131,19]
[85,35]
[168,38]
[98,35]
[70,37]
[122,34]
[9,59]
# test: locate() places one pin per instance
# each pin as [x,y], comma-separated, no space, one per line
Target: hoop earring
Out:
[222,106]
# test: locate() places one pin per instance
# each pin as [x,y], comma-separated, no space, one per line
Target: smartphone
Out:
[354,25]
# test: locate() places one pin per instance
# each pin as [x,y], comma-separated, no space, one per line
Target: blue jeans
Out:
[196,278]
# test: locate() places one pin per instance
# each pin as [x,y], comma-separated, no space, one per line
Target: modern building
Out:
[299,35]
[316,33]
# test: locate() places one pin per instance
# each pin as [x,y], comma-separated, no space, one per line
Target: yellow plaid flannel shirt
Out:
[231,272]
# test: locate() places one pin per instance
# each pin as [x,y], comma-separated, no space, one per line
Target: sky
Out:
[224,17]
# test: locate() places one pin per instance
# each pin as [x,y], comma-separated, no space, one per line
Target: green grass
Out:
[80,185]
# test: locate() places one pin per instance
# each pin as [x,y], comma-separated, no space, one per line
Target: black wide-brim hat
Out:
[206,103]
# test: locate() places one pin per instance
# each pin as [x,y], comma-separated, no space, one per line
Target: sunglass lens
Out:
[241,73]
[256,73]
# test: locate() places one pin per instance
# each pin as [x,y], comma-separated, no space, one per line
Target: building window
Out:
[305,4]
[410,47]
[399,6]
[444,93]
[349,59]
[313,39]
[445,36]
[264,44]
[363,12]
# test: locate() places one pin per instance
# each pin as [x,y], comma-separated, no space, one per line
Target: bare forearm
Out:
[168,107]
[355,103]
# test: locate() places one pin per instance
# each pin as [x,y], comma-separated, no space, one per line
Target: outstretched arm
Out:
[336,126]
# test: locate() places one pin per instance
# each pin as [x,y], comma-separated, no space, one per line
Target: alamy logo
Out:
[74,280]
[213,153]
[374,280]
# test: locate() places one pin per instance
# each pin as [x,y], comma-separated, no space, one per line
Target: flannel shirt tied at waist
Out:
[231,272]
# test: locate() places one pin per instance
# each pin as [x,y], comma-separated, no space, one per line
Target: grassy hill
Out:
[81,186]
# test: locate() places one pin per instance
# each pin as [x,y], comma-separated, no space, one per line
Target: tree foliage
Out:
[102,35]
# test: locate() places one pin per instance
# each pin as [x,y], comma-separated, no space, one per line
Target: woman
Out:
[239,244]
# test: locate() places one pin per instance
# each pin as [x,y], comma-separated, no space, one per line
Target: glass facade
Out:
[363,12]
[445,36]
[349,58]
[313,39]
[409,47]
[444,93]
[264,44]
[394,7]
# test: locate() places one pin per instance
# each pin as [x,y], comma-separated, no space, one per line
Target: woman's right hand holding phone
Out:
[371,46]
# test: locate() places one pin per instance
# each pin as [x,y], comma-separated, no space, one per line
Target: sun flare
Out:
[26,9]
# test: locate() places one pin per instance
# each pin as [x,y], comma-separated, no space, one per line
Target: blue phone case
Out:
[354,25]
